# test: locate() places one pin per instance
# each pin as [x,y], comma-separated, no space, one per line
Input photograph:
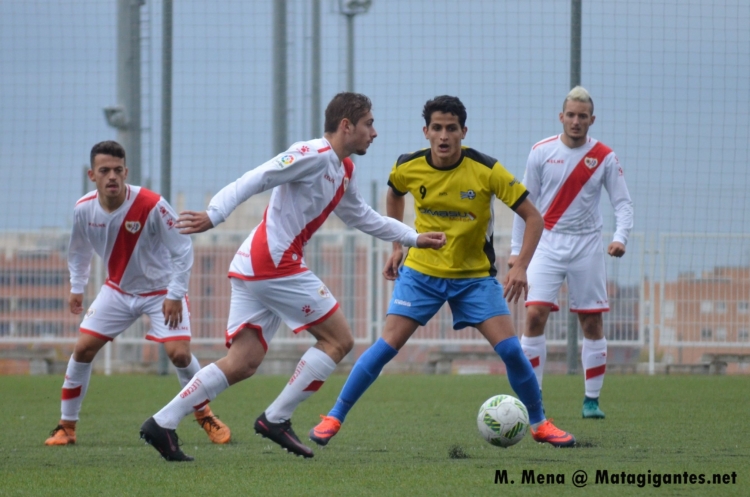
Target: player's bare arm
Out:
[75,302]
[616,249]
[393,263]
[394,207]
[515,284]
[191,222]
[172,310]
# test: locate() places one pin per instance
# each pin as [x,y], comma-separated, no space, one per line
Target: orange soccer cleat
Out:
[549,433]
[325,430]
[217,431]
[63,434]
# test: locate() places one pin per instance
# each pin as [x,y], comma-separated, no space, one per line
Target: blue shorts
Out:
[472,300]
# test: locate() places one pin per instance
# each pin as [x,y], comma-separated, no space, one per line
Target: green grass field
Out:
[402,438]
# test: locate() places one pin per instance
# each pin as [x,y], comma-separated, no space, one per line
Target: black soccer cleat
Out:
[165,441]
[282,434]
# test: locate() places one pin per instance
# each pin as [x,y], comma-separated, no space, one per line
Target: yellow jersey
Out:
[458,201]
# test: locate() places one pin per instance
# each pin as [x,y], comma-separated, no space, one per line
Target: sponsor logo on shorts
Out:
[90,312]
[133,226]
[402,302]
[307,310]
[323,292]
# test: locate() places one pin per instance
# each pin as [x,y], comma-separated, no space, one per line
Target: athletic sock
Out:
[77,377]
[521,377]
[312,371]
[364,373]
[535,349]
[204,387]
[594,360]
[184,375]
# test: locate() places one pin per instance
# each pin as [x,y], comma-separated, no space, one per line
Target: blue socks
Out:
[521,377]
[365,372]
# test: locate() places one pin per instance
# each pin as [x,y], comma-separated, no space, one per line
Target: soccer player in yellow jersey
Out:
[454,188]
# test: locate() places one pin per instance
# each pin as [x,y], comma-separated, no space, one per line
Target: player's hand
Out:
[432,239]
[616,249]
[515,284]
[75,302]
[191,222]
[512,260]
[172,310]
[392,264]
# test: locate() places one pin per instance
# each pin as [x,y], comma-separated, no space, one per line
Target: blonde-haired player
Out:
[565,175]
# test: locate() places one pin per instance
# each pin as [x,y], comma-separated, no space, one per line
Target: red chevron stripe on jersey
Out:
[130,231]
[574,183]
[291,259]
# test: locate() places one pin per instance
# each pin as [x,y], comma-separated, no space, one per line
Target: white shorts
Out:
[112,312]
[300,300]
[580,258]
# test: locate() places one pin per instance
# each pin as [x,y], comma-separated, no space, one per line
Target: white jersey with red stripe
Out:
[309,182]
[565,184]
[142,250]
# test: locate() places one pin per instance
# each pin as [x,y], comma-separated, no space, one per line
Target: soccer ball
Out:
[503,420]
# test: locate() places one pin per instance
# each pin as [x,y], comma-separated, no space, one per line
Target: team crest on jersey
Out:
[323,292]
[469,194]
[133,226]
[90,312]
[591,162]
[346,183]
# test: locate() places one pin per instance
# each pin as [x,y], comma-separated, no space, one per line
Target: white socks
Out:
[74,388]
[535,349]
[186,374]
[594,360]
[205,386]
[313,369]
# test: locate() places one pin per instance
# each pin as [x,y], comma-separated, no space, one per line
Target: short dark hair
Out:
[346,105]
[446,104]
[108,147]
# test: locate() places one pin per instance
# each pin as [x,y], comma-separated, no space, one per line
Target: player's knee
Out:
[535,321]
[339,347]
[180,357]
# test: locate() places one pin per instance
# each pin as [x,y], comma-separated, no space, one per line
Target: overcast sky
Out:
[670,80]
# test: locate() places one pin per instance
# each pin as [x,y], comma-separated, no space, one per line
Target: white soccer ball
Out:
[503,420]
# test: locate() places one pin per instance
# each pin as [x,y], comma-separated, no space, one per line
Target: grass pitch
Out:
[408,435]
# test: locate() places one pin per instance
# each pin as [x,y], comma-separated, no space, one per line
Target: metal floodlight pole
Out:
[162,366]
[351,9]
[125,116]
[316,121]
[280,83]
[575,80]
